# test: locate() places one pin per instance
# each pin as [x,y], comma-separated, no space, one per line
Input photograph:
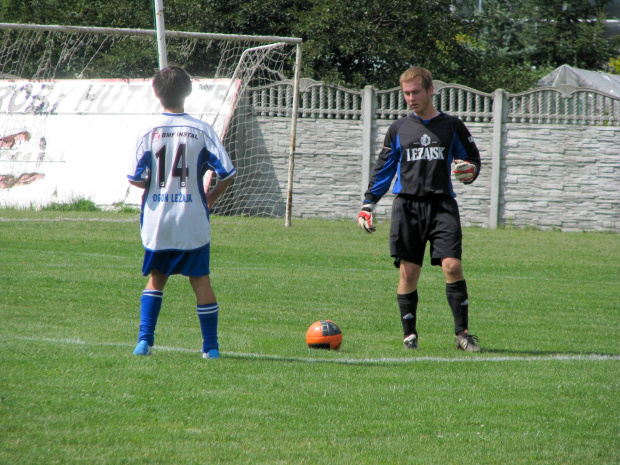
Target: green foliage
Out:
[543,392]
[568,32]
[78,204]
[518,42]
[509,44]
[358,43]
[96,13]
[124,208]
[613,66]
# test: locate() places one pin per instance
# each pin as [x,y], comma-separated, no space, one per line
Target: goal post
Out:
[161,33]
[226,69]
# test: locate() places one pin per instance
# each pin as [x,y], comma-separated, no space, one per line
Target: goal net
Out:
[71,97]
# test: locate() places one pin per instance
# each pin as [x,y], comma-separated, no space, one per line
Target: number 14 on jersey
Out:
[179,167]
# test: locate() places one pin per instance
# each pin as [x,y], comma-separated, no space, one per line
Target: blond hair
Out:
[415,72]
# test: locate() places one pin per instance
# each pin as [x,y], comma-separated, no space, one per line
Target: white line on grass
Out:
[76,220]
[474,358]
[348,361]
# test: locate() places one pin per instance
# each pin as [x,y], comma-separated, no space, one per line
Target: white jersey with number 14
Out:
[173,154]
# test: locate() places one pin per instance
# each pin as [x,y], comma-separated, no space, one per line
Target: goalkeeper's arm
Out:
[465,171]
[365,217]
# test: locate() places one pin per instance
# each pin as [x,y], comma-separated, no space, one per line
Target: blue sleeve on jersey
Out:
[142,168]
[213,163]
[386,173]
[457,150]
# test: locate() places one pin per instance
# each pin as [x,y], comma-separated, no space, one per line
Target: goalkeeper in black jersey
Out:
[420,150]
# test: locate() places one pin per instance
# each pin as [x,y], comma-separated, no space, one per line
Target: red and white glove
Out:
[364,219]
[464,171]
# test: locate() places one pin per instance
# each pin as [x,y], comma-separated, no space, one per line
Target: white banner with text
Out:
[68,139]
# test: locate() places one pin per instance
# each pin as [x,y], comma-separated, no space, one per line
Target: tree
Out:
[100,13]
[569,32]
[509,44]
[519,41]
[356,43]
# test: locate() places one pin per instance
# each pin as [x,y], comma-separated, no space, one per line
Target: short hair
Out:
[172,85]
[415,72]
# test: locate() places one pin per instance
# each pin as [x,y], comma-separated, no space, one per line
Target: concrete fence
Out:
[550,156]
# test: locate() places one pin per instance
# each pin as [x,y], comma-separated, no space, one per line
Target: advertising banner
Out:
[67,139]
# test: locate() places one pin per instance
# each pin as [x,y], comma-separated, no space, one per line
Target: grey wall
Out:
[551,176]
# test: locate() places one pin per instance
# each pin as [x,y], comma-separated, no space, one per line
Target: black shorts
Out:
[418,220]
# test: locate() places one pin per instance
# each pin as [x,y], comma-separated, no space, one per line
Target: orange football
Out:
[324,334]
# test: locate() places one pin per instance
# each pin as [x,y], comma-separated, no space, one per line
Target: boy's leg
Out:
[207,309]
[150,306]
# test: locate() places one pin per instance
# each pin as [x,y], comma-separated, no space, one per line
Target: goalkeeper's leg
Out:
[408,306]
[456,292]
[459,303]
[407,296]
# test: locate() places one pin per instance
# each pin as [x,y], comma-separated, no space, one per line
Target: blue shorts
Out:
[194,263]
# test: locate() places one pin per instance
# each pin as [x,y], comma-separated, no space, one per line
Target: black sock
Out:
[457,299]
[408,305]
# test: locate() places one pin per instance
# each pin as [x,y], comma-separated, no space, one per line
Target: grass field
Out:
[544,391]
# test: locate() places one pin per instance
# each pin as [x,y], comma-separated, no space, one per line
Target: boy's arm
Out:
[140,184]
[218,189]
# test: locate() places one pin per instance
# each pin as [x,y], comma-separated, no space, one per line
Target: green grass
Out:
[79,204]
[544,304]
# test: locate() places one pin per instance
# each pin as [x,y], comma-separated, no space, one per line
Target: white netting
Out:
[48,54]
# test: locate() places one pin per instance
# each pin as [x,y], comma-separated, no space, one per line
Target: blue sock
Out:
[150,305]
[207,314]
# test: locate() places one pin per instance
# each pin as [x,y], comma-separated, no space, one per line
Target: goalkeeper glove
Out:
[364,219]
[464,171]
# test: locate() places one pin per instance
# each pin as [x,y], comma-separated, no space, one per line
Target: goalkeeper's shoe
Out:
[467,342]
[143,348]
[411,341]
[212,353]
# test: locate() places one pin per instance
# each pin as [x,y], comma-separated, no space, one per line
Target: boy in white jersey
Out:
[172,156]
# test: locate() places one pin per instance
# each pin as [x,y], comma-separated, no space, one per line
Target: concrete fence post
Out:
[369,108]
[500,112]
